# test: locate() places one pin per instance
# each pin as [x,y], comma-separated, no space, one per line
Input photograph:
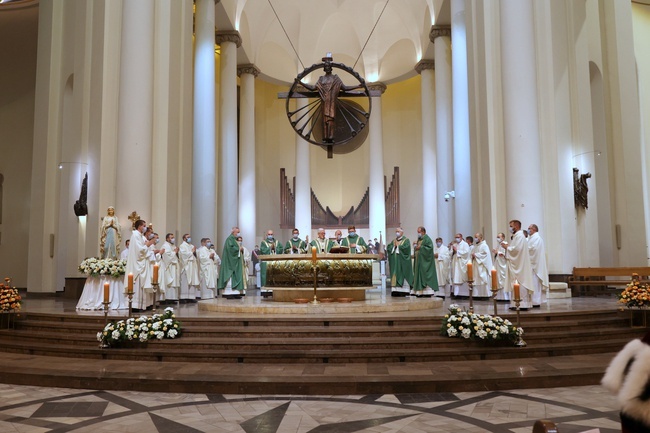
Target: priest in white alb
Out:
[519,269]
[482,267]
[189,270]
[459,266]
[207,269]
[443,260]
[136,265]
[501,267]
[172,280]
[538,263]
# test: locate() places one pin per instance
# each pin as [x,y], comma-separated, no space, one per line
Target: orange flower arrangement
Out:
[635,294]
[9,297]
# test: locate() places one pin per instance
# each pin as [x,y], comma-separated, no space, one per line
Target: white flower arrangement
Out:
[462,324]
[142,329]
[94,267]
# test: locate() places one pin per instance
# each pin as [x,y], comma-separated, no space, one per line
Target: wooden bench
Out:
[597,281]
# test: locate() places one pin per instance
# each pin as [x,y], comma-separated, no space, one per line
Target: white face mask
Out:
[295,237]
[512,230]
[458,240]
[150,236]
[269,237]
[353,234]
[398,234]
[172,241]
[188,240]
[209,244]
[438,244]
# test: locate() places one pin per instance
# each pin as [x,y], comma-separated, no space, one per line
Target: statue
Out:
[580,188]
[81,205]
[329,86]
[110,237]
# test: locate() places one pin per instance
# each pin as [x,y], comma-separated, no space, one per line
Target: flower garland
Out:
[9,297]
[142,329]
[95,267]
[473,326]
[635,294]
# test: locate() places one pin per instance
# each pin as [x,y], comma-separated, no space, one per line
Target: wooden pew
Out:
[595,281]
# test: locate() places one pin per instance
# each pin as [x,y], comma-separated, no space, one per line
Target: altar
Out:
[92,297]
[291,276]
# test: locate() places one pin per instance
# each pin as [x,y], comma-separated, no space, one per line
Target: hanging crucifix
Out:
[329,119]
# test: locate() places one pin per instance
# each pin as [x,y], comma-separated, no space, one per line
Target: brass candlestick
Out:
[103,344]
[155,286]
[470,283]
[495,290]
[130,296]
[314,269]
[520,341]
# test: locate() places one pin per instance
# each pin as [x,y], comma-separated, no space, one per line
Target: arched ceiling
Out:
[342,27]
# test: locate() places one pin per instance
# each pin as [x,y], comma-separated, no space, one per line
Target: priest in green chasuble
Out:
[424,268]
[295,245]
[231,275]
[322,244]
[354,241]
[399,262]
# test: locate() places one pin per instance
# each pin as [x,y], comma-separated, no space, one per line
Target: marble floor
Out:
[35,410]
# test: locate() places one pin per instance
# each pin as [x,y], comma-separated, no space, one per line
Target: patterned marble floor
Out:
[35,409]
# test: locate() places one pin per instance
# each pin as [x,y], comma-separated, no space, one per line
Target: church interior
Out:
[198,116]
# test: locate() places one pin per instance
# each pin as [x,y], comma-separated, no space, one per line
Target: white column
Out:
[425,68]
[462,155]
[228,161]
[377,193]
[303,181]
[135,118]
[440,36]
[204,149]
[520,118]
[247,197]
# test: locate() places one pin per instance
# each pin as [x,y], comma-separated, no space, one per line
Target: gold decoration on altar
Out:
[332,271]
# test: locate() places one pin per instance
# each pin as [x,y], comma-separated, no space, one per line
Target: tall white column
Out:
[204,149]
[462,154]
[303,181]
[377,193]
[247,197]
[135,118]
[425,68]
[228,161]
[520,117]
[440,36]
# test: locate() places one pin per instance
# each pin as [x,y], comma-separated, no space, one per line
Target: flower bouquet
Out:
[462,324]
[635,294]
[94,267]
[9,297]
[142,329]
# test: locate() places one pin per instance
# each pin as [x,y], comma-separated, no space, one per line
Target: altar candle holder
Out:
[314,269]
[155,286]
[520,341]
[470,283]
[495,289]
[129,294]
[103,344]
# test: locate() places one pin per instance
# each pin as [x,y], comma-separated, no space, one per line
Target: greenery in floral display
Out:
[142,329]
[635,294]
[462,324]
[9,297]
[95,267]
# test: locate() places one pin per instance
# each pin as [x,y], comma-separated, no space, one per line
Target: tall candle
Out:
[313,254]
[516,287]
[130,283]
[469,271]
[155,273]
[107,292]
[494,278]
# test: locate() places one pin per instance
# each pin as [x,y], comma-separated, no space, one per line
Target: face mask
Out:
[209,244]
[240,243]
[352,234]
[172,241]
[438,244]
[269,237]
[458,240]
[499,240]
[338,237]
[477,242]
[150,237]
[419,235]
[188,240]
[398,234]
[512,230]
[295,237]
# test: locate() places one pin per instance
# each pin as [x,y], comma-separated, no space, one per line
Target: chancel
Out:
[443,118]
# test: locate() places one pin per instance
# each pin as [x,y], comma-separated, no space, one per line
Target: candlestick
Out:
[469,272]
[155,272]
[494,278]
[313,254]
[129,287]
[516,289]
[107,292]
[495,289]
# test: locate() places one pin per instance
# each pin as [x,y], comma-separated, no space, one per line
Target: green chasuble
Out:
[349,240]
[399,261]
[266,248]
[424,268]
[300,245]
[326,244]
[231,265]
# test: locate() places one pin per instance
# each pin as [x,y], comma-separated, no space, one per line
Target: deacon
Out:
[425,280]
[538,264]
[295,245]
[354,241]
[136,265]
[501,267]
[268,247]
[459,266]
[482,267]
[231,276]
[189,270]
[519,269]
[399,261]
[172,281]
[443,260]
[207,269]
[322,244]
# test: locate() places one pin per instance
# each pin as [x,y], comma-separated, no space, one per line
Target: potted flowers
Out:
[9,297]
[140,330]
[483,327]
[635,294]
